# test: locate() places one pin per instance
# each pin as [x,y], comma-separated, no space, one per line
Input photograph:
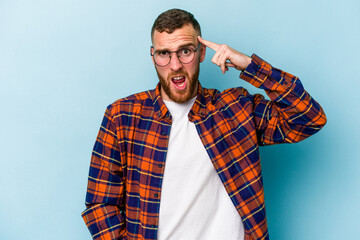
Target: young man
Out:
[182,161]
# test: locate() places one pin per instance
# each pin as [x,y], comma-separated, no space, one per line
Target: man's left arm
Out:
[291,115]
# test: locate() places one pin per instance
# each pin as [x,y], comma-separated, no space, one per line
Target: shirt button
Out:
[156,195]
[153,226]
[160,165]
[163,132]
[286,82]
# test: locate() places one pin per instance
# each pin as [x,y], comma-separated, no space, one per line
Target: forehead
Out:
[182,36]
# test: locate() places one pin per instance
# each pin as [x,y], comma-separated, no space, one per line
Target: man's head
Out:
[173,19]
[174,36]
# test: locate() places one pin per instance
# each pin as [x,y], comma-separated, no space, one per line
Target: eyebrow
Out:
[180,47]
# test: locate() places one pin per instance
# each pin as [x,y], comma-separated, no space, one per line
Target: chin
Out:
[181,96]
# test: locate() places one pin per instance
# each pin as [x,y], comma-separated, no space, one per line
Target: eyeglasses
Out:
[185,55]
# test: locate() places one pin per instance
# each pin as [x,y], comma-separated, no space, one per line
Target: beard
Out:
[180,96]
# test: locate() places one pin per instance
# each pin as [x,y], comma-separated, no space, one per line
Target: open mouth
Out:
[179,82]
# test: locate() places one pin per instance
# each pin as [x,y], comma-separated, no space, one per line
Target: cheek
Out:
[162,72]
[192,69]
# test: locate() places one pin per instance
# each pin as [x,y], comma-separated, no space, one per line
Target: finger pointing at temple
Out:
[226,56]
[213,46]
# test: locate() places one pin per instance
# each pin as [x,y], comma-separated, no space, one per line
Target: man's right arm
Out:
[104,214]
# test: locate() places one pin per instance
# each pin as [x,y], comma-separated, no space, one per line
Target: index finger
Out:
[209,44]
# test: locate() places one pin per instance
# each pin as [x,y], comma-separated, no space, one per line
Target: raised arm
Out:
[292,114]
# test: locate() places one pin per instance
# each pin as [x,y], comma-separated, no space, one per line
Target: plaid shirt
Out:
[128,160]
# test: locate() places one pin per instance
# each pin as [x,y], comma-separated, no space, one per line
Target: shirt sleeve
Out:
[292,114]
[104,214]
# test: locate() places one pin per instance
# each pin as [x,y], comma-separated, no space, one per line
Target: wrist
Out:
[247,61]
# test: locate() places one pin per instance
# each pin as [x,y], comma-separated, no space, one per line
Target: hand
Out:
[226,56]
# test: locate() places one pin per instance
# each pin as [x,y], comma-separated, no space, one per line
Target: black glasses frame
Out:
[177,55]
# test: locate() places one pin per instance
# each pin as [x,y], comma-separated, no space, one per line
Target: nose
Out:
[175,63]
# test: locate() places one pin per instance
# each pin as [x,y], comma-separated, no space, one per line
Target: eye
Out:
[163,53]
[185,51]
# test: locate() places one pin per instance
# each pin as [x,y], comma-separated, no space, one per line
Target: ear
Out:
[151,54]
[202,52]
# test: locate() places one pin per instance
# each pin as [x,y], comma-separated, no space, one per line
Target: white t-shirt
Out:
[194,203]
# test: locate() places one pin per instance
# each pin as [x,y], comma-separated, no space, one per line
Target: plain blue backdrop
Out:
[63,62]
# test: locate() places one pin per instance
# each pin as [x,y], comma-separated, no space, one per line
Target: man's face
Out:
[178,81]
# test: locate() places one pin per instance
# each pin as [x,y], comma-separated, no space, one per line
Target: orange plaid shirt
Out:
[128,160]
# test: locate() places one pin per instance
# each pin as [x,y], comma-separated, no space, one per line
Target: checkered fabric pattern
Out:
[128,160]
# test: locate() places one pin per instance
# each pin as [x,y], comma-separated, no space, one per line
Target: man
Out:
[182,161]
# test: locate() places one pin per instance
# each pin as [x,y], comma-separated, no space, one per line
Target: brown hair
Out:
[173,19]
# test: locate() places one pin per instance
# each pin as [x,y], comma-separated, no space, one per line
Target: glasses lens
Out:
[162,58]
[186,55]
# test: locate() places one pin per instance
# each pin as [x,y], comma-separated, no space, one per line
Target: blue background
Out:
[63,62]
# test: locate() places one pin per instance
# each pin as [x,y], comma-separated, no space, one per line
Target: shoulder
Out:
[236,99]
[132,104]
[233,94]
